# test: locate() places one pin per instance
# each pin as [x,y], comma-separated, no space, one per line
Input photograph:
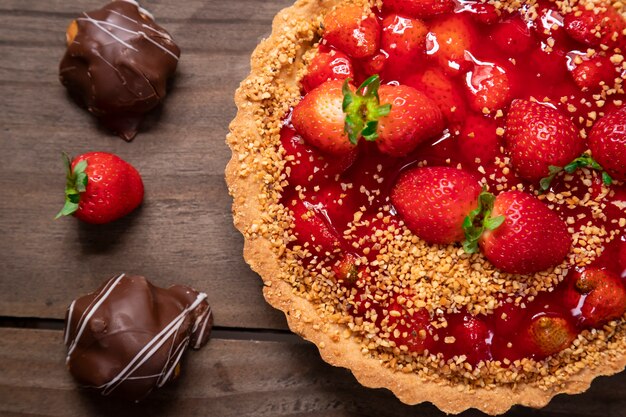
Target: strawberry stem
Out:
[363,109]
[76,183]
[583,161]
[479,220]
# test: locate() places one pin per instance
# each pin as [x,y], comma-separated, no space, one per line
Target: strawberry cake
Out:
[433,192]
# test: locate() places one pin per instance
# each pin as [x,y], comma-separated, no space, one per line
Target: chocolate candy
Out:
[117,64]
[128,337]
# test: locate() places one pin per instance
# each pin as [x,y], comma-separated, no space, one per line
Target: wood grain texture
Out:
[183,232]
[238,378]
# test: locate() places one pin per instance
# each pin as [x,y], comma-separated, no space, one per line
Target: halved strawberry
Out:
[607,142]
[352,30]
[440,89]
[478,142]
[449,39]
[332,65]
[538,136]
[305,164]
[512,36]
[601,26]
[598,295]
[320,119]
[413,119]
[419,8]
[488,86]
[532,237]
[434,201]
[409,328]
[591,74]
[547,334]
[404,40]
[311,230]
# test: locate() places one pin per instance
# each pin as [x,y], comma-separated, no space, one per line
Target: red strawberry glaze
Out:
[539,59]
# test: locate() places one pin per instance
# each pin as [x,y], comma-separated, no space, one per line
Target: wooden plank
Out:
[238,378]
[183,232]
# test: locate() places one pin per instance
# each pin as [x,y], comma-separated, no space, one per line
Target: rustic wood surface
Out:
[183,233]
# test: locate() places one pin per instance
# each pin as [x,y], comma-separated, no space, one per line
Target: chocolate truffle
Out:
[117,64]
[128,337]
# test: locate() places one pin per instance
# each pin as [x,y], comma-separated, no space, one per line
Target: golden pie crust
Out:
[254,180]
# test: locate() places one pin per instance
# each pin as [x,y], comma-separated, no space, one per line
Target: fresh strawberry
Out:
[478,142]
[549,24]
[332,65]
[488,86]
[470,339]
[547,334]
[352,30]
[450,38]
[607,142]
[320,119]
[596,27]
[531,239]
[410,329]
[413,119]
[433,202]
[311,230]
[538,136]
[512,36]
[595,72]
[599,296]
[419,8]
[101,188]
[306,164]
[404,40]
[440,89]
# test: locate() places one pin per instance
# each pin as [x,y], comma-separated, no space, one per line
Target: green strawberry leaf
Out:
[479,220]
[363,109]
[75,184]
[583,161]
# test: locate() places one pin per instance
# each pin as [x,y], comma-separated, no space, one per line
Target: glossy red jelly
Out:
[537,65]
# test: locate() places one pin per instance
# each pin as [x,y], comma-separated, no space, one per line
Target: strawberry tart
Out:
[433,192]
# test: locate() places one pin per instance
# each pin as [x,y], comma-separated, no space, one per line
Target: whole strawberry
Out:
[607,142]
[599,295]
[413,119]
[434,201]
[547,334]
[352,30]
[532,237]
[538,136]
[101,188]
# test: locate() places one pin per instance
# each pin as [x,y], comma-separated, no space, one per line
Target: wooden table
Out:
[183,233]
